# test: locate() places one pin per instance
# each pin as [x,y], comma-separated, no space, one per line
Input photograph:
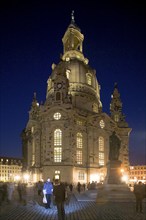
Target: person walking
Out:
[19,189]
[10,190]
[70,187]
[139,195]
[47,191]
[79,187]
[59,194]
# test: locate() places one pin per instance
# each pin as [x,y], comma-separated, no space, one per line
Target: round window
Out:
[102,124]
[57,116]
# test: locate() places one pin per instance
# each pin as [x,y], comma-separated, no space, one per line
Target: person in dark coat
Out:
[59,193]
[70,187]
[79,187]
[139,195]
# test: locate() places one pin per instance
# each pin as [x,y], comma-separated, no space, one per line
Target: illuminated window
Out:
[32,129]
[57,137]
[67,59]
[57,174]
[102,124]
[95,107]
[67,73]
[101,158]
[79,140]
[79,157]
[81,176]
[89,79]
[116,117]
[57,116]
[57,171]
[57,154]
[101,151]
[101,144]
[79,122]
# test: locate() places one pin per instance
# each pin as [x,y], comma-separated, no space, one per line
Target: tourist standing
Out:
[47,191]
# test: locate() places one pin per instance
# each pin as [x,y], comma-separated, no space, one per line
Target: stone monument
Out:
[114,164]
[113,189]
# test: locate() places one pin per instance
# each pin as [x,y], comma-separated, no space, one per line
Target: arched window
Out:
[89,79]
[57,137]
[79,140]
[101,151]
[101,143]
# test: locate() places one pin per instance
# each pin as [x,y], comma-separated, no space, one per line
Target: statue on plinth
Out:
[114,143]
[114,164]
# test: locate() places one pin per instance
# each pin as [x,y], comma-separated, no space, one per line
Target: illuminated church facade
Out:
[67,136]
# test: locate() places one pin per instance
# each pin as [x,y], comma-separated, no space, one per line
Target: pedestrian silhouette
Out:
[59,193]
[139,195]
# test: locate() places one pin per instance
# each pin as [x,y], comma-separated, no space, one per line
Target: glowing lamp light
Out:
[94,177]
[135,179]
[26,177]
[122,170]
[17,178]
[125,178]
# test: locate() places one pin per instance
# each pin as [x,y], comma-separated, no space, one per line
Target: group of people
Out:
[59,193]
[7,190]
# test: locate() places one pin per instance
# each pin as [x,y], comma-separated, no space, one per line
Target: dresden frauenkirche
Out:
[67,136]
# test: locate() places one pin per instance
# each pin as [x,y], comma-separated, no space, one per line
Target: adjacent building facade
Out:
[10,169]
[137,173]
[67,136]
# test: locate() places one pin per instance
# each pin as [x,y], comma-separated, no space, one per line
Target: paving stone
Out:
[76,210]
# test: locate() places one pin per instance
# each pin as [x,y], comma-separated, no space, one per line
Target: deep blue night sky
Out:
[31,40]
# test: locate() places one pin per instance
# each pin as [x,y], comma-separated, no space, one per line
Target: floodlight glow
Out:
[94,177]
[26,176]
[124,178]
[17,177]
